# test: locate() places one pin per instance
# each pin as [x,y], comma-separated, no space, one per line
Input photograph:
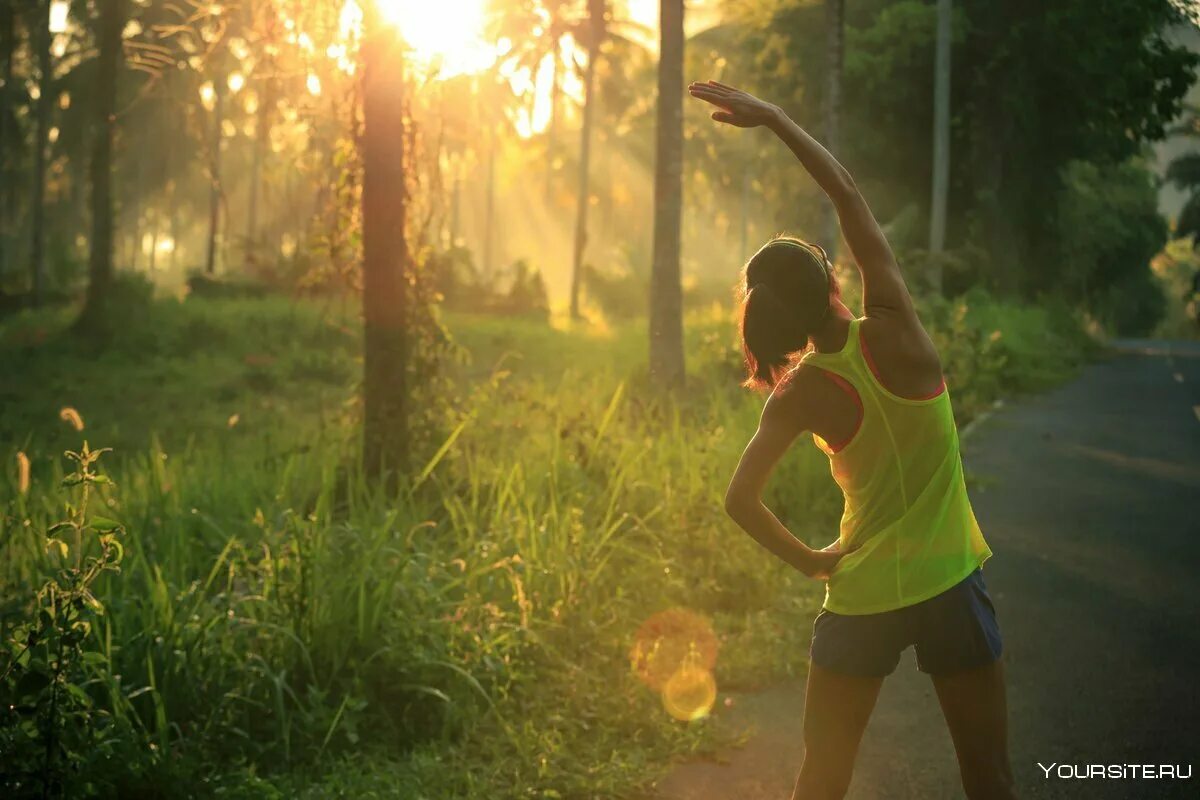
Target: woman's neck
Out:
[831,337]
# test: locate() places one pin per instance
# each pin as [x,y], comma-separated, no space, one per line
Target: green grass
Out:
[283,627]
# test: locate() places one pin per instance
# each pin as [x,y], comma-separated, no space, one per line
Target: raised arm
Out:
[883,285]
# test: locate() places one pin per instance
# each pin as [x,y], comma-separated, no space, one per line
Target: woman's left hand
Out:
[737,107]
[824,561]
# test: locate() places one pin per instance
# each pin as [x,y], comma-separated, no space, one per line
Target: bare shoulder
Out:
[801,398]
[899,338]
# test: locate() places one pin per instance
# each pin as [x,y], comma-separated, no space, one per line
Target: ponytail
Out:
[787,287]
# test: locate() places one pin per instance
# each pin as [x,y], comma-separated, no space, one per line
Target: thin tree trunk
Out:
[37,255]
[135,215]
[7,45]
[100,262]
[595,32]
[153,240]
[385,254]
[261,135]
[745,208]
[489,212]
[941,140]
[214,189]
[835,16]
[455,203]
[552,127]
[991,130]
[173,222]
[666,295]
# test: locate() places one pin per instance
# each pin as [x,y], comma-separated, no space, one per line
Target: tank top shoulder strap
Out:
[848,358]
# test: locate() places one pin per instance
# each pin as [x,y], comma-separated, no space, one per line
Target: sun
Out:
[445,35]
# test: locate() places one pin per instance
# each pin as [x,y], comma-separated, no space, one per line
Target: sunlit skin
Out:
[838,706]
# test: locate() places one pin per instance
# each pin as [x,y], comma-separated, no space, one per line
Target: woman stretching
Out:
[905,569]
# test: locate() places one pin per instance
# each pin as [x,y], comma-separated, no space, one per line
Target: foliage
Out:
[206,286]
[278,614]
[1111,230]
[462,286]
[621,295]
[1176,268]
[1013,161]
[62,712]
[1184,172]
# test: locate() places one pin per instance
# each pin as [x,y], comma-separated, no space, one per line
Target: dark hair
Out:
[785,299]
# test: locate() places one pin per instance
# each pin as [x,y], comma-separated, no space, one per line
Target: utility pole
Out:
[941,140]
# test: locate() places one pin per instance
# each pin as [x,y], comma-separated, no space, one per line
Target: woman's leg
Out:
[973,702]
[836,710]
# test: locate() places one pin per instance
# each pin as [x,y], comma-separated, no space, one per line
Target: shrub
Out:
[518,290]
[207,286]
[61,712]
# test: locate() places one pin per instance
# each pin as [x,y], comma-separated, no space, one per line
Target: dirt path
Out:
[1089,497]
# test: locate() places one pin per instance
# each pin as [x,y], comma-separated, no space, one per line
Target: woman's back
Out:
[906,515]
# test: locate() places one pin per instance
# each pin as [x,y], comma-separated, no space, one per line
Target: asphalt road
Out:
[1088,496]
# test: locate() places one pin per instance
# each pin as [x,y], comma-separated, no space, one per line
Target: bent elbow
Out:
[734,504]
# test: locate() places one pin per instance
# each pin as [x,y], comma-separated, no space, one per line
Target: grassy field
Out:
[282,627]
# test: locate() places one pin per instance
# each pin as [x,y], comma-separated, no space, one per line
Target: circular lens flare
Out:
[673,653]
[691,691]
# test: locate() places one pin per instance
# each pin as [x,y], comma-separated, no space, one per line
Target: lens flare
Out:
[673,653]
[447,37]
[691,691]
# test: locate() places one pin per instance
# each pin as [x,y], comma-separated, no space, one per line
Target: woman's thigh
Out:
[836,710]
[974,704]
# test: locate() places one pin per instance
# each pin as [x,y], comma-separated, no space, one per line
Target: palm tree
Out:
[666,301]
[385,253]
[100,260]
[214,173]
[37,257]
[537,28]
[7,47]
[593,36]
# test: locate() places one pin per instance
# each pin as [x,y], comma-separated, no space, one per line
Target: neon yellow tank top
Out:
[906,500]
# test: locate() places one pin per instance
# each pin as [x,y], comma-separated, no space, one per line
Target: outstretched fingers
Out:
[711,95]
[712,86]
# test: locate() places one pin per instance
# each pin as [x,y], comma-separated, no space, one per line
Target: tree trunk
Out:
[941,140]
[385,254]
[991,128]
[135,215]
[489,210]
[552,127]
[37,255]
[666,296]
[173,223]
[744,253]
[262,132]
[214,188]
[153,240]
[455,204]
[835,16]
[7,46]
[595,33]
[100,261]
